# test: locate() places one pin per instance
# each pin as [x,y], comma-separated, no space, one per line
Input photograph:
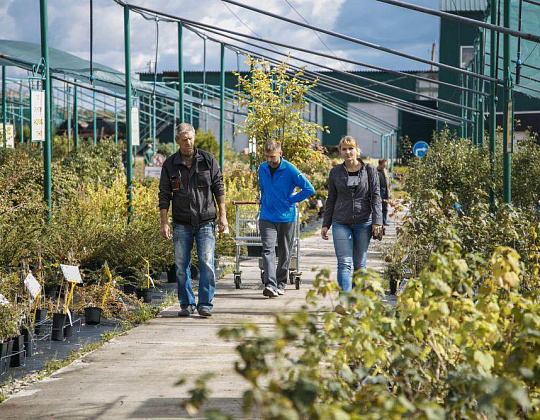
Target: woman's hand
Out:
[324,233]
[376,229]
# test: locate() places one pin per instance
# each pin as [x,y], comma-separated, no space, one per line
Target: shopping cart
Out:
[249,245]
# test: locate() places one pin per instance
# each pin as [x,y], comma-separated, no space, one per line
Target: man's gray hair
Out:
[184,128]
[272,146]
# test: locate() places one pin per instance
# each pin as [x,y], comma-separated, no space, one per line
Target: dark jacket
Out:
[196,188]
[347,206]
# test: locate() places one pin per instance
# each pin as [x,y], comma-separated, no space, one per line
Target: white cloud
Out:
[69,29]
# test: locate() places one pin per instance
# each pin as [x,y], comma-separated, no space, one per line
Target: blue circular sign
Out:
[420,148]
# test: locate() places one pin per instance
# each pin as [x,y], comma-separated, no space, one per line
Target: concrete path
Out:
[134,375]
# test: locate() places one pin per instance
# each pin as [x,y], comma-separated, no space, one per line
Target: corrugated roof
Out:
[464,5]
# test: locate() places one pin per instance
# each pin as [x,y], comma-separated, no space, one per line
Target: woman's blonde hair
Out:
[348,141]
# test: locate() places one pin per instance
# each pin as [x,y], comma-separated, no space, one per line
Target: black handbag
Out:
[382,231]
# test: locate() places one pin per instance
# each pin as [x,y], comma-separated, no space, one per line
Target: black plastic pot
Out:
[129,289]
[28,342]
[17,357]
[57,333]
[68,329]
[6,349]
[145,295]
[92,315]
[41,315]
[171,273]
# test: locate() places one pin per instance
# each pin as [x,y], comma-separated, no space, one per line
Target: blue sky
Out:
[382,24]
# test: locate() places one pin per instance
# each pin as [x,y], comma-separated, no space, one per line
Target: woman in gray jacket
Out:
[353,210]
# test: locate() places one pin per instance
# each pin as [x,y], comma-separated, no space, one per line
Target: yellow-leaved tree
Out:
[274,97]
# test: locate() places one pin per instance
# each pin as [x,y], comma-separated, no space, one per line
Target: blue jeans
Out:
[351,243]
[183,236]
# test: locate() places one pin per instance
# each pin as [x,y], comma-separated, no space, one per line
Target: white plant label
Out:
[32,285]
[3,301]
[10,142]
[135,140]
[37,115]
[71,273]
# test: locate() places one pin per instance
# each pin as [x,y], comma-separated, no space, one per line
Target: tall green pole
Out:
[481,101]
[21,114]
[392,153]
[94,113]
[508,118]
[129,155]
[493,99]
[174,128]
[154,123]
[75,120]
[222,108]
[47,146]
[115,121]
[68,112]
[4,106]
[181,73]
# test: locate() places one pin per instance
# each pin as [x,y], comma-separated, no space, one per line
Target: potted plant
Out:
[145,291]
[9,328]
[92,313]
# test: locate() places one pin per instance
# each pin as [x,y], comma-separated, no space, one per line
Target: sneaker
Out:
[280,291]
[205,312]
[186,311]
[270,292]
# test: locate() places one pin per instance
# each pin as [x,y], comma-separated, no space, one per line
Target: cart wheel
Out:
[291,277]
[262,276]
[297,282]
[237,282]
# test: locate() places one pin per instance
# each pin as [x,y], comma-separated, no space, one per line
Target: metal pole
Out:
[181,74]
[75,119]
[94,114]
[21,113]
[174,129]
[508,123]
[493,99]
[4,106]
[222,108]
[47,146]
[382,147]
[154,123]
[129,156]
[392,153]
[204,86]
[482,87]
[115,121]
[68,111]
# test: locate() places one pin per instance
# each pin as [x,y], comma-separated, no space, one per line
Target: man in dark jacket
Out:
[192,180]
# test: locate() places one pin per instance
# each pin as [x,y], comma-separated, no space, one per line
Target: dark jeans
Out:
[281,234]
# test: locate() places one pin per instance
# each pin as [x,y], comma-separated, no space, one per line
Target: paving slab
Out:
[134,375]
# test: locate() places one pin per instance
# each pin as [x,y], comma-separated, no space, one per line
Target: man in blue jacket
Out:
[278,179]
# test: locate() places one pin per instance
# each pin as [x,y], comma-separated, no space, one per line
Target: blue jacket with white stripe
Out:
[277,192]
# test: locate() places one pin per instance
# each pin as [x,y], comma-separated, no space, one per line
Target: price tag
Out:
[32,285]
[71,273]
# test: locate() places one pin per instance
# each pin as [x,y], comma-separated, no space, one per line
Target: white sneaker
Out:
[270,292]
[280,291]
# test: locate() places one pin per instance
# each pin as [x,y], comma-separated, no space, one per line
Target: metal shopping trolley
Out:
[249,244]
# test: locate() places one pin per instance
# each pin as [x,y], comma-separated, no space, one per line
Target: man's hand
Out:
[324,233]
[376,229]
[165,230]
[222,224]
